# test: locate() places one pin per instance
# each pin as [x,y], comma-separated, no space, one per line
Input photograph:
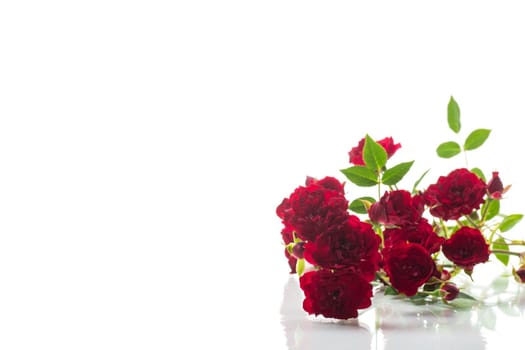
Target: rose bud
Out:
[495,186]
[519,274]
[445,275]
[298,250]
[449,292]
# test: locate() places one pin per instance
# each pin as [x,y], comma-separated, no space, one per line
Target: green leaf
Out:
[453,115]
[476,139]
[393,175]
[299,267]
[419,181]
[463,295]
[374,155]
[492,209]
[358,205]
[361,176]
[509,222]
[448,149]
[500,244]
[479,173]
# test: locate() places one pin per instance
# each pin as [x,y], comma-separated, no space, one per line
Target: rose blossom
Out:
[449,291]
[356,153]
[409,266]
[466,248]
[354,246]
[455,195]
[421,232]
[397,208]
[338,294]
[287,236]
[317,208]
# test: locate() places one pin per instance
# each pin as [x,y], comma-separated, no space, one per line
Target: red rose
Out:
[397,208]
[421,233]
[455,195]
[317,208]
[356,153]
[287,235]
[466,248]
[328,182]
[408,265]
[354,246]
[338,294]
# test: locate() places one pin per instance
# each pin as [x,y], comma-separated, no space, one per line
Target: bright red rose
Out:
[356,153]
[355,247]
[455,195]
[338,294]
[397,208]
[292,261]
[328,182]
[287,235]
[466,248]
[408,265]
[421,232]
[317,208]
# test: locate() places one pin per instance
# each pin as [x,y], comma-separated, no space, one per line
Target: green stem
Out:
[507,252]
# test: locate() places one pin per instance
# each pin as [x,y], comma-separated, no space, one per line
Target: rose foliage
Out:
[410,243]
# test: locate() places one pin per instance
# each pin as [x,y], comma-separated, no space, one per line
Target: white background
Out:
[144,146]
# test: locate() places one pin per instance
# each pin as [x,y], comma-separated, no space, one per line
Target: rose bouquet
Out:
[413,243]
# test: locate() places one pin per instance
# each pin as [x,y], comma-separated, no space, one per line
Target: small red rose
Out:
[409,266]
[421,232]
[356,153]
[466,248]
[355,246]
[335,294]
[397,208]
[455,195]
[449,291]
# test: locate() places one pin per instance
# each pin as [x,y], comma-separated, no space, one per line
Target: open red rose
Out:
[355,246]
[421,232]
[317,208]
[455,195]
[397,208]
[338,294]
[408,265]
[356,153]
[466,248]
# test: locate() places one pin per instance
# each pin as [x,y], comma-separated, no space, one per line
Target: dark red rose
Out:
[356,153]
[397,208]
[338,294]
[421,232]
[355,246]
[287,236]
[455,195]
[328,182]
[317,208]
[466,248]
[449,291]
[495,187]
[409,266]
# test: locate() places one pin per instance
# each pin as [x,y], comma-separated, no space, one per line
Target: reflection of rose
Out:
[408,265]
[303,333]
[455,195]
[336,294]
[466,248]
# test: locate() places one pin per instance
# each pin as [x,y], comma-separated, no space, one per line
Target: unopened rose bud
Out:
[445,275]
[495,186]
[298,250]
[449,291]
[519,274]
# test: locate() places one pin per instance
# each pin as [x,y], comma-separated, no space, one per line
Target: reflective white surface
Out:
[392,324]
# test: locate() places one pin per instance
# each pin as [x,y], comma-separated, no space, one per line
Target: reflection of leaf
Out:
[499,284]
[488,318]
[510,309]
